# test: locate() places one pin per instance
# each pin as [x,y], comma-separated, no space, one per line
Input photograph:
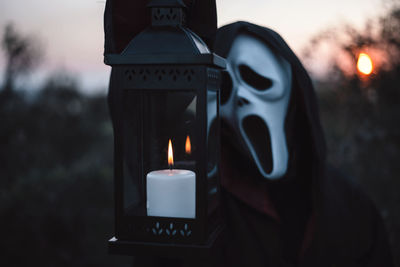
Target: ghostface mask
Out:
[255,101]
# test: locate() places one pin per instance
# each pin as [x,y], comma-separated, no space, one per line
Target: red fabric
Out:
[308,236]
[251,193]
[129,19]
[256,195]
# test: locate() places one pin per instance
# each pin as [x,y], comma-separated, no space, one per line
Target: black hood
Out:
[297,195]
[303,128]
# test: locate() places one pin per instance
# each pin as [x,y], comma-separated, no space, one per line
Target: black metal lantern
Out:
[166,127]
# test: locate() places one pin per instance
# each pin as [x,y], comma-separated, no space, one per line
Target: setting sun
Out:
[364,64]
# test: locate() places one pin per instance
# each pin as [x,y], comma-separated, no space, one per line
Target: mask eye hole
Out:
[254,79]
[226,87]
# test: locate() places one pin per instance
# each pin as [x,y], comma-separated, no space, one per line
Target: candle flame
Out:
[364,64]
[188,146]
[170,154]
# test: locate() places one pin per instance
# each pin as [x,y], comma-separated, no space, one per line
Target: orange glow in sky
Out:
[364,64]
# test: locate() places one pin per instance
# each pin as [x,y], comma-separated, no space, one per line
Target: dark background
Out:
[56,202]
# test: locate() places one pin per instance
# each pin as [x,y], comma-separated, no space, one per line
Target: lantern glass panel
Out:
[212,143]
[156,123]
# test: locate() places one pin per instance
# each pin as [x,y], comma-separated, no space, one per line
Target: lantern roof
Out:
[166,45]
[166,40]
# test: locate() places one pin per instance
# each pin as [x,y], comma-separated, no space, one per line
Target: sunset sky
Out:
[71,31]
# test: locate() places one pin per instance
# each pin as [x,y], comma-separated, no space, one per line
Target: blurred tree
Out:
[22,54]
[361,113]
[56,203]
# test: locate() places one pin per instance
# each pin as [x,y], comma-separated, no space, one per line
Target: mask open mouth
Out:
[259,138]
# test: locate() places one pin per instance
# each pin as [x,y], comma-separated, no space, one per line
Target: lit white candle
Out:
[171,193]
